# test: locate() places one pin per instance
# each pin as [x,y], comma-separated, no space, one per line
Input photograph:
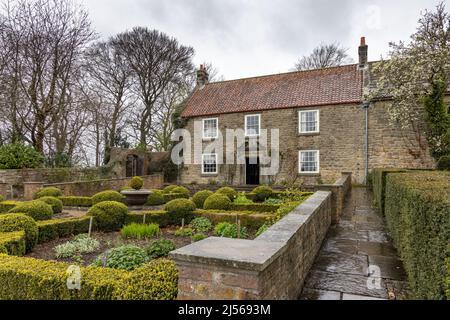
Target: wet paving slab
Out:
[357,260]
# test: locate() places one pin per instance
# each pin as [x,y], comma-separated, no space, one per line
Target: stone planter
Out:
[136,197]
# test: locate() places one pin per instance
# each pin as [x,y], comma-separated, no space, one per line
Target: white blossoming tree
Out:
[412,70]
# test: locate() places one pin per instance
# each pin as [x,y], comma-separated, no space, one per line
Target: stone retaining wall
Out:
[89,188]
[273,266]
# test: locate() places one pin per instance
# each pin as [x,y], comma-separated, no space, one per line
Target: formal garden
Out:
[121,248]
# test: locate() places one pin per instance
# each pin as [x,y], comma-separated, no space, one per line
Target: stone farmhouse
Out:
[325,126]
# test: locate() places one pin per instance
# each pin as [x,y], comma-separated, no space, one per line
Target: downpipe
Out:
[366,106]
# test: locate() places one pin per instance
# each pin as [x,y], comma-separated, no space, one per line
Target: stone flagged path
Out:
[356,246]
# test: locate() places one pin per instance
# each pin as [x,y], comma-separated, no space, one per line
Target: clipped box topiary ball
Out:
[109,215]
[180,209]
[108,195]
[136,183]
[55,203]
[48,192]
[36,209]
[181,190]
[156,198]
[17,222]
[444,163]
[229,192]
[217,201]
[262,193]
[200,197]
[169,189]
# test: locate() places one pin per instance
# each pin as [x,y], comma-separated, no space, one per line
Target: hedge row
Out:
[378,177]
[7,205]
[34,279]
[256,207]
[59,228]
[13,243]
[417,210]
[248,219]
[76,201]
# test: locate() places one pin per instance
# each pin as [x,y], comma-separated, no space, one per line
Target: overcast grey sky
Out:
[245,38]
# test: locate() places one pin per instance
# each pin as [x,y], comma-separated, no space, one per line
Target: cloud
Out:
[253,37]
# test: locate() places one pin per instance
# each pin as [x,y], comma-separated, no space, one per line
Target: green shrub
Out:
[180,209]
[60,228]
[47,280]
[229,192]
[2,198]
[242,199]
[20,222]
[249,219]
[273,201]
[217,202]
[126,257]
[36,209]
[172,196]
[48,192]
[184,232]
[230,230]
[19,156]
[13,243]
[200,197]
[79,245]
[255,207]
[136,183]
[181,190]
[262,229]
[262,193]
[55,203]
[201,224]
[107,196]
[140,231]
[160,248]
[7,205]
[76,201]
[169,189]
[156,280]
[160,217]
[379,186]
[156,198]
[198,237]
[444,163]
[109,215]
[417,210]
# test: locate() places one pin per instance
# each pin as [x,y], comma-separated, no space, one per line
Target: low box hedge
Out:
[417,210]
[76,201]
[379,185]
[34,279]
[13,243]
[59,228]
[160,217]
[7,205]
[257,207]
[250,220]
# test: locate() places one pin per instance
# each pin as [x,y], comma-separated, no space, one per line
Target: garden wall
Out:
[89,188]
[273,266]
[13,180]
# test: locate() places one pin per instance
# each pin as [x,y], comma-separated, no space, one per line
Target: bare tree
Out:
[110,80]
[47,38]
[213,72]
[157,61]
[324,56]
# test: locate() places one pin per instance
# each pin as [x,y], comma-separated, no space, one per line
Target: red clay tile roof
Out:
[330,86]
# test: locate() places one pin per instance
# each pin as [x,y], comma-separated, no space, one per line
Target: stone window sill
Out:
[308,134]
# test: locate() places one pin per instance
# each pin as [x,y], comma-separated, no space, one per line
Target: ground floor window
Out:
[209,163]
[309,161]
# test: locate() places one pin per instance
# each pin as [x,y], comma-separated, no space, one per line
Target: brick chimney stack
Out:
[202,76]
[363,51]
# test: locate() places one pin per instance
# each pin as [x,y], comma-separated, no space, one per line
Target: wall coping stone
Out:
[254,255]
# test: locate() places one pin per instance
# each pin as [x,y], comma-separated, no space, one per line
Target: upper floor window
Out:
[309,161]
[209,163]
[210,128]
[309,121]
[252,125]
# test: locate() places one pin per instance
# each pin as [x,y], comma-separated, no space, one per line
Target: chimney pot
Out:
[363,53]
[202,76]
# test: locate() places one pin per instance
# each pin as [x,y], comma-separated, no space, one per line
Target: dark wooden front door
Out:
[252,171]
